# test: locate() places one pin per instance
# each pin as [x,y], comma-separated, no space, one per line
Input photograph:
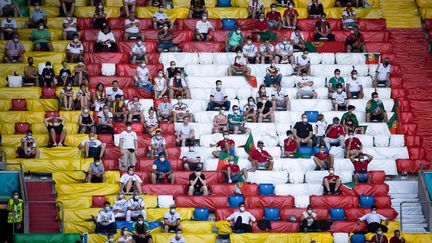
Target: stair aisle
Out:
[401,13]
[43,216]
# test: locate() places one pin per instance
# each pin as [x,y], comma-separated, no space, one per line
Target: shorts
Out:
[96,179]
[262,165]
[57,129]
[159,24]
[197,14]
[267,60]
[95,152]
[303,92]
[69,34]
[355,94]
[252,60]
[141,239]
[197,189]
[133,36]
[376,117]
[165,46]
[382,82]
[234,177]
[135,117]
[242,129]
[362,177]
[172,228]
[43,46]
[205,35]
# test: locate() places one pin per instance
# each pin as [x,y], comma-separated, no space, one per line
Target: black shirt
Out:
[267,106]
[48,73]
[65,70]
[197,3]
[303,129]
[172,72]
[198,183]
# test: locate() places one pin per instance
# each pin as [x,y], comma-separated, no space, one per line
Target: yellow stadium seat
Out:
[40,128]
[5,105]
[10,155]
[363,13]
[8,128]
[202,238]
[88,189]
[197,227]
[56,23]
[303,13]
[50,11]
[23,92]
[15,140]
[424,3]
[223,226]
[47,165]
[245,3]
[10,69]
[113,3]
[56,3]
[68,177]
[60,45]
[186,3]
[87,11]
[21,116]
[56,34]
[76,202]
[281,238]
[156,214]
[3,81]
[20,21]
[84,227]
[150,201]
[59,66]
[42,105]
[71,116]
[426,13]
[304,3]
[240,13]
[42,57]
[73,140]
[60,152]
[177,13]
[82,214]
[75,89]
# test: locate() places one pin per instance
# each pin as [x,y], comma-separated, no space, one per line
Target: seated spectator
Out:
[265,110]
[105,41]
[266,52]
[28,148]
[232,172]
[355,41]
[158,144]
[284,52]
[185,134]
[93,148]
[55,126]
[197,183]
[165,110]
[160,18]
[339,99]
[124,236]
[65,75]
[302,131]
[250,110]
[85,121]
[280,99]
[242,220]
[143,79]
[273,75]
[178,237]
[151,121]
[315,9]
[274,18]
[331,183]
[354,87]
[48,76]
[132,30]
[130,181]
[69,27]
[138,52]
[373,220]
[309,220]
[161,171]
[165,40]
[361,163]
[255,8]
[250,51]
[80,74]
[30,77]
[220,121]
[172,70]
[382,74]
[119,109]
[225,145]
[129,7]
[181,110]
[99,97]
[190,161]
[397,238]
[323,160]
[349,119]
[14,50]
[261,93]
[135,110]
[105,221]
[262,28]
[218,98]
[302,63]
[305,87]
[171,221]
[83,97]
[353,145]
[160,85]
[135,207]
[334,81]
[323,30]
[9,8]
[290,145]
[297,39]
[41,39]
[141,232]
[348,17]
[335,133]
[197,9]
[379,237]
[8,28]
[37,17]
[239,65]
[203,29]
[375,111]
[96,171]
[67,6]
[99,16]
[128,147]
[260,158]
[105,124]
[236,122]
[113,91]
[178,87]
[120,205]
[234,40]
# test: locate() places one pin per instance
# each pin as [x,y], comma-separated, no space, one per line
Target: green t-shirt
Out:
[235,39]
[335,81]
[350,119]
[38,34]
[234,117]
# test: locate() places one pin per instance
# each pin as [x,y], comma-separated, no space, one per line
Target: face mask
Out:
[36,7]
[120,196]
[354,76]
[107,208]
[238,31]
[178,77]
[204,17]
[305,55]
[41,27]
[86,110]
[273,9]
[249,42]
[304,119]
[231,162]
[131,173]
[55,124]
[106,110]
[373,212]
[352,31]
[219,86]
[160,75]
[136,198]
[178,236]
[339,90]
[236,112]
[140,42]
[304,78]
[337,75]
[100,6]
[16,197]
[285,42]
[251,103]
[290,6]
[379,232]
[125,232]
[16,40]
[140,222]
[165,27]
[161,10]
[172,210]
[92,138]
[129,129]
[239,54]
[162,159]
[375,99]
[331,172]
[351,136]
[309,211]
[111,240]
[30,63]
[225,136]
[386,63]
[49,67]
[262,19]
[242,209]
[9,19]
[323,20]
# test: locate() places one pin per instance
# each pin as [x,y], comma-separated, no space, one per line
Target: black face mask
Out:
[386,63]
[30,63]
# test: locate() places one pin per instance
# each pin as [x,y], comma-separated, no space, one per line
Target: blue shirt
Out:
[37,15]
[162,166]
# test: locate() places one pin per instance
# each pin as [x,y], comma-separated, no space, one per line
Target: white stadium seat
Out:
[327,58]
[238,82]
[350,58]
[397,140]
[296,177]
[165,201]
[181,59]
[340,237]
[298,189]
[381,141]
[108,69]
[273,177]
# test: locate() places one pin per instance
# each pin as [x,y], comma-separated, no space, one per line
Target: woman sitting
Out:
[86,122]
[105,41]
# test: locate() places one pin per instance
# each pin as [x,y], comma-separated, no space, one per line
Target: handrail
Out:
[412,202]
[62,211]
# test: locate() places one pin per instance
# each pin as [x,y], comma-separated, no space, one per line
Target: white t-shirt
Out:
[134,29]
[240,60]
[302,61]
[111,93]
[258,4]
[133,204]
[126,177]
[92,143]
[305,88]
[75,48]
[171,218]
[345,14]
[296,38]
[185,131]
[174,240]
[135,107]
[309,221]
[246,217]
[138,49]
[284,48]
[250,50]
[279,95]
[321,128]
[124,240]
[160,16]
[9,25]
[72,28]
[382,71]
[143,73]
[218,95]
[120,204]
[159,83]
[182,80]
[354,85]
[266,48]
[151,120]
[105,37]
[129,139]
[339,98]
[103,118]
[203,27]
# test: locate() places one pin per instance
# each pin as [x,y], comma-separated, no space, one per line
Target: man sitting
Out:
[273,74]
[160,18]
[138,53]
[135,207]
[132,30]
[158,144]
[105,221]
[375,111]
[218,98]
[305,87]
[239,65]
[28,147]
[335,133]
[181,110]
[242,219]
[161,171]
[93,148]
[361,174]
[232,171]
[260,158]
[302,63]
[105,124]
[135,110]
[203,29]
[284,52]
[185,134]
[373,220]
[130,180]
[165,110]
[334,81]
[290,145]
[250,51]
[74,49]
[226,145]
[382,74]
[349,119]
[303,131]
[355,41]
[177,86]
[331,183]
[353,145]
[323,30]
[339,99]
[322,159]
[280,99]
[14,50]
[171,220]
[197,183]
[354,86]
[37,16]
[236,122]
[96,172]
[41,39]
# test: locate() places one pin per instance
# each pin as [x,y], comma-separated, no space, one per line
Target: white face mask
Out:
[165,27]
[375,99]
[129,129]
[290,6]
[100,6]
[160,75]
[131,173]
[204,17]
[262,19]
[242,209]
[125,232]
[111,240]
[304,119]
[354,76]
[136,198]
[238,31]
[107,208]
[225,136]
[249,42]
[337,75]
[309,211]
[231,162]
[178,235]
[379,232]
[140,222]
[172,210]
[239,54]
[86,110]
[140,42]
[16,197]
[219,86]
[178,77]
[162,159]
[373,212]
[236,112]
[273,9]
[120,196]
[331,172]
[251,103]
[351,136]
[36,7]
[339,90]
[97,163]
[285,42]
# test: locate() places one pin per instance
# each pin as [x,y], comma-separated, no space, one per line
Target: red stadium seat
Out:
[19,105]
[309,24]
[179,36]
[346,191]
[138,127]
[84,23]
[355,213]
[383,201]
[428,24]
[145,165]
[417,153]
[91,34]
[22,127]
[164,189]
[118,23]
[369,36]
[125,46]
[210,202]
[322,214]
[372,24]
[167,128]
[248,189]
[98,201]
[347,226]
[246,24]
[173,153]
[107,81]
[383,48]
[130,92]
[372,189]
[51,114]
[48,93]
[223,213]
[190,24]
[170,140]
[110,164]
[411,165]
[413,141]
[112,153]
[202,46]
[278,227]
[409,129]
[222,189]
[212,177]
[106,138]
[378,176]
[144,141]
[130,69]
[94,69]
[106,57]
[269,202]
[333,201]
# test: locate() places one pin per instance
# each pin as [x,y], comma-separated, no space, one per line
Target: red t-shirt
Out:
[383,239]
[322,156]
[221,143]
[355,143]
[334,132]
[291,147]
[354,38]
[262,25]
[276,16]
[255,155]
[359,165]
[234,168]
[291,12]
[331,178]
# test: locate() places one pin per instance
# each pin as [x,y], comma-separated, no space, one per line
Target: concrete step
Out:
[414,230]
[413,221]
[422,225]
[404,195]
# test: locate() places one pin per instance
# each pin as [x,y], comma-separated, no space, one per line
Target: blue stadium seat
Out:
[304,152]
[316,150]
[337,214]
[201,214]
[223,3]
[266,189]
[228,24]
[358,238]
[312,116]
[234,201]
[271,214]
[366,201]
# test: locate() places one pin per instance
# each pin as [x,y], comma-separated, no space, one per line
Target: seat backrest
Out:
[266,189]
[51,114]
[108,69]
[15,81]
[366,201]
[201,214]
[337,214]
[358,238]
[98,201]
[19,105]
[22,127]
[271,214]
[48,93]
[165,201]
[304,152]
[234,201]
[312,116]
[227,23]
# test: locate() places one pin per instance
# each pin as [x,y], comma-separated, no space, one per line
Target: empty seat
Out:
[210,202]
[337,214]
[201,214]
[98,201]
[165,201]
[234,201]
[366,201]
[19,105]
[271,214]
[49,93]
[358,238]
[22,127]
[266,189]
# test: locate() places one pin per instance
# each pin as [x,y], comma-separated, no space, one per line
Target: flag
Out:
[223,160]
[323,46]
[372,58]
[392,123]
[249,145]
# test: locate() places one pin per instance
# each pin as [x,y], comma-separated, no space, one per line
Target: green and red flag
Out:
[223,160]
[322,46]
[392,123]
[249,145]
[372,58]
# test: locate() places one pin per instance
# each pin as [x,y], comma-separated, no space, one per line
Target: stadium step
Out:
[401,14]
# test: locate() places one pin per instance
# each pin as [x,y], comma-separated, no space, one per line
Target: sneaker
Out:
[317,168]
[237,190]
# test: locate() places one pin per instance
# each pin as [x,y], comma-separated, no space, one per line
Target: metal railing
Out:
[59,206]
